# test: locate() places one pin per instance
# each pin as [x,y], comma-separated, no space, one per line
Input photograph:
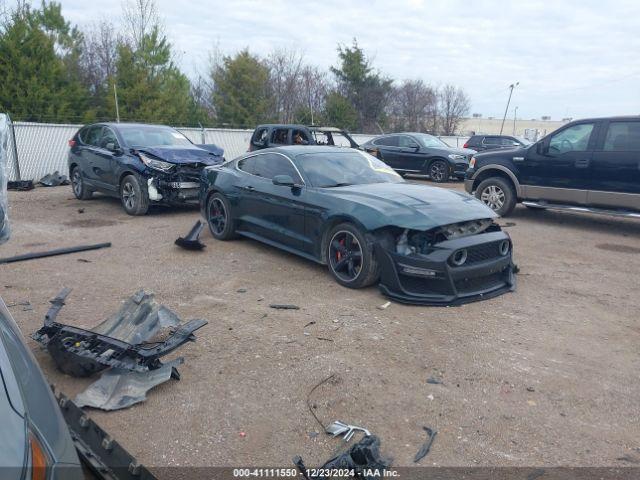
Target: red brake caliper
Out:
[338,253]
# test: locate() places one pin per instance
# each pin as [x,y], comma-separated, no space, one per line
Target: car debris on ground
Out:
[129,343]
[424,450]
[362,459]
[52,253]
[192,240]
[20,185]
[284,306]
[54,180]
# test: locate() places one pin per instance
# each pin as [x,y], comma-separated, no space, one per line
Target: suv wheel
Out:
[134,196]
[78,186]
[439,171]
[497,194]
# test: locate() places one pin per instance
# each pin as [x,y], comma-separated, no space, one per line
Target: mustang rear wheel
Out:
[439,171]
[221,224]
[350,259]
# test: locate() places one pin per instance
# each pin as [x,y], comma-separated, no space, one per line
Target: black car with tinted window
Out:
[420,153]
[140,164]
[590,165]
[482,143]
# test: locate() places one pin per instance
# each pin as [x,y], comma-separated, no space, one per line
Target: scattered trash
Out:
[97,450]
[312,322]
[284,306]
[424,450]
[531,389]
[81,210]
[51,253]
[384,306]
[20,185]
[362,460]
[434,381]
[54,180]
[338,428]
[122,342]
[325,339]
[84,260]
[532,403]
[21,304]
[309,406]
[242,290]
[243,434]
[192,240]
[430,397]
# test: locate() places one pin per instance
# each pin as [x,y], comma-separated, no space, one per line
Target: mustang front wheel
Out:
[219,218]
[350,258]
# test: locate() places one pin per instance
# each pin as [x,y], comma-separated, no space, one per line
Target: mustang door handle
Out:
[584,163]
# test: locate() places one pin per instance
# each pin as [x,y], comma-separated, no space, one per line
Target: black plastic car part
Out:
[81,352]
[52,253]
[106,458]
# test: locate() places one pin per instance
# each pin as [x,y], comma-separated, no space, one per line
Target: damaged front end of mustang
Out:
[173,174]
[450,264]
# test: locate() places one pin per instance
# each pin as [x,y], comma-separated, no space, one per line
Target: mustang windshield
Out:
[137,136]
[342,168]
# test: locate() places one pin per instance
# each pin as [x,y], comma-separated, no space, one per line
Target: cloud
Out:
[575,58]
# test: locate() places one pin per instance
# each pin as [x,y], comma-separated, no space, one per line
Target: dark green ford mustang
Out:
[348,210]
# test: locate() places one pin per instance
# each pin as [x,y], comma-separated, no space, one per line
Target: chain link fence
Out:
[37,149]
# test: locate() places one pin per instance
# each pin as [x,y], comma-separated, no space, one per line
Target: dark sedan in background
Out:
[140,164]
[348,210]
[482,143]
[35,442]
[420,153]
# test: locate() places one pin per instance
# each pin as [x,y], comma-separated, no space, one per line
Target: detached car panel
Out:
[140,164]
[349,211]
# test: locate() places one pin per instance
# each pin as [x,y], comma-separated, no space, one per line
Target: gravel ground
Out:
[544,376]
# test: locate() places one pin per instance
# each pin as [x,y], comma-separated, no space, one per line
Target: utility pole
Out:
[515,114]
[511,87]
[115,94]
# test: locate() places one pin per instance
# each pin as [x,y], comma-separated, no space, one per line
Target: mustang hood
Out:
[185,154]
[407,205]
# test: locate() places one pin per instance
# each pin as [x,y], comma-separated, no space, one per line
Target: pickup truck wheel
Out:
[497,194]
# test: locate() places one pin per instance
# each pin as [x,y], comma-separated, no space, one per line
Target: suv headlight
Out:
[156,164]
[455,156]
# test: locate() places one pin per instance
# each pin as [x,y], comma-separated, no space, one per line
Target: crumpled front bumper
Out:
[175,188]
[431,279]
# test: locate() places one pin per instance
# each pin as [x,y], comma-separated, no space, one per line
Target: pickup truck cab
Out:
[586,165]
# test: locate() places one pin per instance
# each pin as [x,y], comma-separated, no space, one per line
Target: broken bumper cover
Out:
[436,279]
[179,187]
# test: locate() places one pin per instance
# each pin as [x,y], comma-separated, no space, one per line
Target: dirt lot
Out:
[547,375]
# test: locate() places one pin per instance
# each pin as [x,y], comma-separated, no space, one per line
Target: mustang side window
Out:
[269,165]
[572,139]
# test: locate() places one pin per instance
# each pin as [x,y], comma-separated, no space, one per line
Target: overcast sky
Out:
[572,58]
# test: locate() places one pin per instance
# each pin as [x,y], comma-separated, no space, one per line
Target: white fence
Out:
[42,148]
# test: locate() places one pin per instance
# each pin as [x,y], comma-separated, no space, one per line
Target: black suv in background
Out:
[480,143]
[277,135]
[586,165]
[421,154]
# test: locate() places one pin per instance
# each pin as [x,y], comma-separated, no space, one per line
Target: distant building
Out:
[490,125]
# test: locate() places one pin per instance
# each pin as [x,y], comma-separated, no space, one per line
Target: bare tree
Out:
[454,105]
[140,19]
[285,69]
[412,106]
[99,55]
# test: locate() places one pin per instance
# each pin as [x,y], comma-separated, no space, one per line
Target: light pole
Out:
[515,114]
[511,87]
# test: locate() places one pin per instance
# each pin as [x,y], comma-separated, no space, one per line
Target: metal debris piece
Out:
[54,179]
[284,306]
[424,450]
[338,428]
[20,185]
[192,240]
[117,389]
[116,342]
[51,253]
[384,306]
[101,453]
[363,459]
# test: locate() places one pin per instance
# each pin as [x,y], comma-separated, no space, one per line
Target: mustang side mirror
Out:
[283,181]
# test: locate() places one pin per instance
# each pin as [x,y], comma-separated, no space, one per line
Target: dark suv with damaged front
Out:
[140,164]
